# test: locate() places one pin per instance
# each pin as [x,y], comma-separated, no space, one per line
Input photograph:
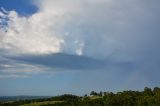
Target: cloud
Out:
[25,35]
[70,42]
[12,68]
[13,76]
[67,62]
[115,31]
[22,68]
[123,30]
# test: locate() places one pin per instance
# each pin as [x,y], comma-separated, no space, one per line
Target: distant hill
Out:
[17,98]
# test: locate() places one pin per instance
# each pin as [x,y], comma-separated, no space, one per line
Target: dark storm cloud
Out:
[66,61]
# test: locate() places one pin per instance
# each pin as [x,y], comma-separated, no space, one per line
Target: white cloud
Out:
[13,76]
[123,30]
[15,69]
[5,66]
[28,35]
[22,68]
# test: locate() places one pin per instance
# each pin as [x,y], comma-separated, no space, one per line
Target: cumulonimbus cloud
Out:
[28,35]
[96,28]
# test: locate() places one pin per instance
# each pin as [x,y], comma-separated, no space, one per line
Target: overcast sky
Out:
[51,47]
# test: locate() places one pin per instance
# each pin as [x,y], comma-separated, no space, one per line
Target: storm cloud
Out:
[119,38]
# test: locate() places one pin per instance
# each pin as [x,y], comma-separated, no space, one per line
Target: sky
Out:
[52,47]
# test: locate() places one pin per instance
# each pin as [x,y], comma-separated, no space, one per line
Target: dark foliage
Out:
[148,97]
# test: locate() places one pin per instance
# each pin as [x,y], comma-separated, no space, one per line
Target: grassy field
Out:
[41,103]
[94,97]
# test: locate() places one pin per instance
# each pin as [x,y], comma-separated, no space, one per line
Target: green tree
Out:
[148,91]
[157,97]
[93,93]
[100,93]
[155,90]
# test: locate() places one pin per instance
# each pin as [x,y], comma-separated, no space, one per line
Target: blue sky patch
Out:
[23,7]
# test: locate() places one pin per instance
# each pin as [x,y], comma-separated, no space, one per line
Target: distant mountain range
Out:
[16,98]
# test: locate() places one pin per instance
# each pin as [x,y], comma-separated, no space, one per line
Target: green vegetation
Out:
[147,97]
[41,103]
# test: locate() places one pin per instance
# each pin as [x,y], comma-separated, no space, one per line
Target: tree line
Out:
[147,97]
